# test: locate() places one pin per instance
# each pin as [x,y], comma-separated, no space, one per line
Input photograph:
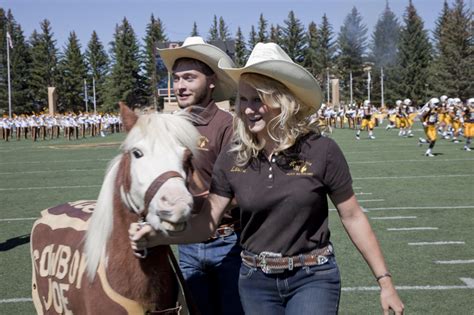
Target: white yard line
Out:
[437,243]
[17,219]
[393,218]
[415,208]
[48,187]
[404,161]
[357,194]
[454,262]
[421,228]
[421,208]
[17,300]
[413,177]
[54,161]
[469,284]
[54,171]
[371,200]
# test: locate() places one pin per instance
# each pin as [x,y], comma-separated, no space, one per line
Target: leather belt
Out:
[225,230]
[274,263]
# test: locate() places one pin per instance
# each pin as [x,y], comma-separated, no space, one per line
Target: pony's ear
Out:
[129,118]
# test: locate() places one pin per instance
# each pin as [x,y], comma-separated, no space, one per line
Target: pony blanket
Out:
[59,264]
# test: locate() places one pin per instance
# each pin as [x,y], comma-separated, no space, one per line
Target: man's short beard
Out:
[200,98]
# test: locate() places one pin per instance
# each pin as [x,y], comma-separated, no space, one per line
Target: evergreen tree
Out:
[352,46]
[252,38]
[194,32]
[154,34]
[97,63]
[3,62]
[294,39]
[414,57]
[325,51]
[125,82]
[384,46]
[213,31]
[440,31]
[455,53]
[262,29]
[240,49]
[311,63]
[44,72]
[436,70]
[224,33]
[385,37]
[275,34]
[320,52]
[20,60]
[73,72]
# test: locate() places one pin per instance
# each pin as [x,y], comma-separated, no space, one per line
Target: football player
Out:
[367,120]
[429,117]
[468,120]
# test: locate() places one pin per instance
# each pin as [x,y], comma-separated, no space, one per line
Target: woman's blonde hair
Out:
[293,121]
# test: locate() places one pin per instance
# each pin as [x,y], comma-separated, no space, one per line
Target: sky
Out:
[178,16]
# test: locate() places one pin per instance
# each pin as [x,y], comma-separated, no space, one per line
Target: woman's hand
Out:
[389,298]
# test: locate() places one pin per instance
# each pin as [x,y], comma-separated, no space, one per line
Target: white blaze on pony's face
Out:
[156,144]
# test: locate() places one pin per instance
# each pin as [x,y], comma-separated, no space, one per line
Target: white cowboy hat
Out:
[270,60]
[194,47]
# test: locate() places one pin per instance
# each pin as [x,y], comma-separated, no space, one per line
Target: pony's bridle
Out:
[154,187]
[149,194]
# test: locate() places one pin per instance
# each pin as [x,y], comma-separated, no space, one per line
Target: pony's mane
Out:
[165,129]
[101,222]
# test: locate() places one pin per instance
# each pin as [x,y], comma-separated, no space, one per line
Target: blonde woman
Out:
[281,170]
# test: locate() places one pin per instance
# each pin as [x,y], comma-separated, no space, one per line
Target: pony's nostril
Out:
[167,203]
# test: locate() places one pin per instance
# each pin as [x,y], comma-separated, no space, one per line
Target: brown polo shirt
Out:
[215,127]
[283,202]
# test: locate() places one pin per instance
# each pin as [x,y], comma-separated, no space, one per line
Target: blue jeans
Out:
[305,290]
[211,271]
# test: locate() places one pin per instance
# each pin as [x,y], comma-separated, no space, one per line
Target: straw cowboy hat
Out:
[194,47]
[270,60]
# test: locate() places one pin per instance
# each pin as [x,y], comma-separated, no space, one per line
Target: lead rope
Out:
[192,306]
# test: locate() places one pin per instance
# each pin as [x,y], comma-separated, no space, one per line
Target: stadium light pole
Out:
[85,95]
[350,86]
[369,79]
[9,45]
[382,100]
[93,91]
[327,84]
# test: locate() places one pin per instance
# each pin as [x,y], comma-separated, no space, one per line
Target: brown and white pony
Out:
[81,256]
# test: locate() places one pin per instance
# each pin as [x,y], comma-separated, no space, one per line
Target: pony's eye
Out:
[137,153]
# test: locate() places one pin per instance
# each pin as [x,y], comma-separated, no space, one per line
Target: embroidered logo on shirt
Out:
[300,167]
[202,143]
[237,169]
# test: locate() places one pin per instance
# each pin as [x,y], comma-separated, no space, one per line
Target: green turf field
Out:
[411,201]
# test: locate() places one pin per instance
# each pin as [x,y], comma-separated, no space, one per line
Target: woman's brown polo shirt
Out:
[283,202]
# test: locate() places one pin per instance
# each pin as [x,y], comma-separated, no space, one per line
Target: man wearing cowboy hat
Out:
[211,268]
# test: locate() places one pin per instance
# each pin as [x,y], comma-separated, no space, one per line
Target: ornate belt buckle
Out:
[322,260]
[263,262]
